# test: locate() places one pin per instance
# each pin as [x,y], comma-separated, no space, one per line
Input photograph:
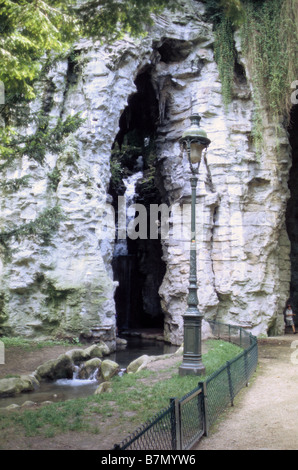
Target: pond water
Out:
[65,389]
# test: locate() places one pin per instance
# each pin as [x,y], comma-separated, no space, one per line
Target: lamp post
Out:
[194,140]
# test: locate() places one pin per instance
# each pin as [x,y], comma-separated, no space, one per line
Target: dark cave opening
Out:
[139,118]
[174,50]
[137,263]
[292,209]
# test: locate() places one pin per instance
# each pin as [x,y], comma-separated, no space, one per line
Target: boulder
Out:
[136,365]
[97,350]
[13,406]
[77,355]
[60,368]
[14,385]
[28,404]
[109,369]
[90,368]
[102,388]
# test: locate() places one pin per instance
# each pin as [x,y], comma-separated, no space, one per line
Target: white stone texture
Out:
[242,244]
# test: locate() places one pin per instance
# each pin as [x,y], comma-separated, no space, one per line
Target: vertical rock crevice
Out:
[137,263]
[292,208]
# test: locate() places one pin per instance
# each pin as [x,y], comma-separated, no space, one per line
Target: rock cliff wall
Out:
[65,286]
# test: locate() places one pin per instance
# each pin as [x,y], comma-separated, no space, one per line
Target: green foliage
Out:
[224,53]
[234,11]
[270,37]
[29,344]
[54,179]
[216,10]
[121,165]
[226,15]
[28,30]
[32,29]
[269,32]
[269,40]
[44,139]
[55,296]
[117,172]
[33,34]
[43,227]
[109,19]
[14,185]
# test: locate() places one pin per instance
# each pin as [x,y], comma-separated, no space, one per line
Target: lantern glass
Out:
[196,149]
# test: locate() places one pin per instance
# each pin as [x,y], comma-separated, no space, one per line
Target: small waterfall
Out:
[76,380]
[124,262]
[130,183]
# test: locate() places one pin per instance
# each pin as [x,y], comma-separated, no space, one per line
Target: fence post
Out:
[203,387]
[175,424]
[246,366]
[230,383]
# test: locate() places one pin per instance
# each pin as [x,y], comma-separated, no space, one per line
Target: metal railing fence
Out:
[186,420]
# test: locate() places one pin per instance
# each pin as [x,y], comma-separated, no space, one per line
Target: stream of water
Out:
[66,389]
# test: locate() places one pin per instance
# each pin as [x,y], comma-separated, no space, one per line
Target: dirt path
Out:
[265,415]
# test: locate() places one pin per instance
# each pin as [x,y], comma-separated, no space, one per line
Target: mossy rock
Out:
[97,350]
[15,385]
[90,367]
[109,369]
[137,364]
[60,368]
[77,355]
[102,388]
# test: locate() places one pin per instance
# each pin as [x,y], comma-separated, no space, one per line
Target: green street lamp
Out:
[194,140]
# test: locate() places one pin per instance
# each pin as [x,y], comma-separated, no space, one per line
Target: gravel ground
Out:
[265,414]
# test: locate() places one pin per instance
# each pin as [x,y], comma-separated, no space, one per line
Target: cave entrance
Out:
[137,261]
[292,209]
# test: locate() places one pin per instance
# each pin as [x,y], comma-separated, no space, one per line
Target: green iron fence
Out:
[186,420]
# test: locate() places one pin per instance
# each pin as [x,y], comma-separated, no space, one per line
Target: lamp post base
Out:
[191,369]
[192,356]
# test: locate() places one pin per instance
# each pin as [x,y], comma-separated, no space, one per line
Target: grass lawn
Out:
[133,399]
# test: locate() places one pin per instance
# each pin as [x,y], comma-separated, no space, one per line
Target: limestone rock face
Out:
[242,245]
[65,287]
